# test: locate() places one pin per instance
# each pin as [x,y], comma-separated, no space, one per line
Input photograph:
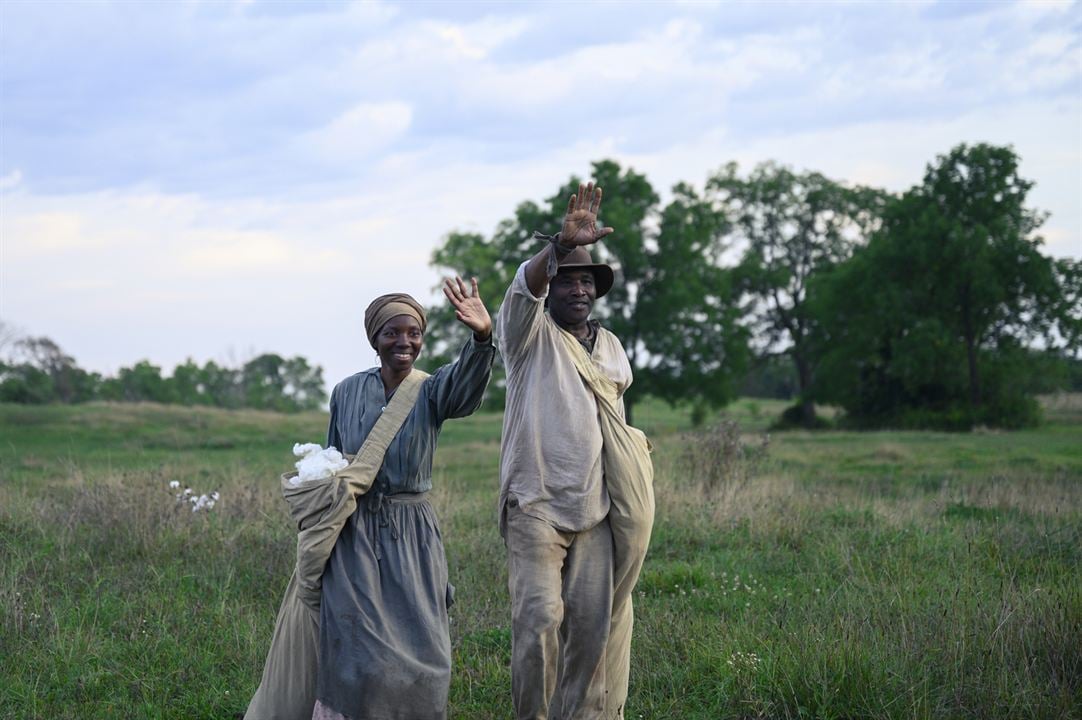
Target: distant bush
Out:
[720,461]
[793,418]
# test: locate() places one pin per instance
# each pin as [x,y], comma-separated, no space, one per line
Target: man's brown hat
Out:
[580,259]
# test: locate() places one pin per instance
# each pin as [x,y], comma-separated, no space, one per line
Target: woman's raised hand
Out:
[469,309]
[580,222]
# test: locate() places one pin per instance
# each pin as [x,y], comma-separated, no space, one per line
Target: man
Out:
[571,569]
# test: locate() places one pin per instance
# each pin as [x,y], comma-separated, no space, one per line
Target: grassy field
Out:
[801,575]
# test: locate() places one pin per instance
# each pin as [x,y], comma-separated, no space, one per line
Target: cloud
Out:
[47,233]
[238,252]
[476,41]
[360,132]
[11,180]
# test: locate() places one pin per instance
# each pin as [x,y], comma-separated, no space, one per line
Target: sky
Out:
[215,180]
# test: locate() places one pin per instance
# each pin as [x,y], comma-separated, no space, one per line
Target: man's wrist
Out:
[561,249]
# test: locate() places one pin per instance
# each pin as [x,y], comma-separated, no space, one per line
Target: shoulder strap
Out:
[361,473]
[601,385]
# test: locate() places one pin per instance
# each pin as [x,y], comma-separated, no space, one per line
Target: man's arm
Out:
[579,228]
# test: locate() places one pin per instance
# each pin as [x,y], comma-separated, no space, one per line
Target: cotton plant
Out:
[198,502]
[316,463]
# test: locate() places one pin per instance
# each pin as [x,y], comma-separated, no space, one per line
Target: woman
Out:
[384,639]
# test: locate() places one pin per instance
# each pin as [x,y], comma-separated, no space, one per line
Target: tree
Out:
[770,376]
[264,383]
[187,388]
[303,383]
[221,385]
[143,382]
[687,315]
[791,225]
[664,310]
[629,200]
[272,382]
[67,383]
[933,322]
[24,383]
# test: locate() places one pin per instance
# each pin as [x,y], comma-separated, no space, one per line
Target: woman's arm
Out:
[469,309]
[458,388]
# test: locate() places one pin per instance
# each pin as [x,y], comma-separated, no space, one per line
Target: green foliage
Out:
[795,417]
[792,226]
[271,382]
[24,383]
[42,373]
[692,325]
[142,382]
[673,306]
[930,324]
[770,376]
[221,386]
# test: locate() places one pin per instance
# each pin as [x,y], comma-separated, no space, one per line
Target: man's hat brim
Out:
[580,259]
[603,275]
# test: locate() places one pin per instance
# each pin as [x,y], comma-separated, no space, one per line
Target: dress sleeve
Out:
[519,318]
[456,389]
[333,438]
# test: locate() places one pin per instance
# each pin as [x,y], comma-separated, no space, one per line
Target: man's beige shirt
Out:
[550,459]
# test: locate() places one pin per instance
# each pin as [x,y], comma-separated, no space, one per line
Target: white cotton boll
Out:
[319,465]
[306,449]
[174,484]
[187,492]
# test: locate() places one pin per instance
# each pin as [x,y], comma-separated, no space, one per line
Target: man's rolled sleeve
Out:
[519,318]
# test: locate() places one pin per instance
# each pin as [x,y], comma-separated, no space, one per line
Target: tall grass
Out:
[823,575]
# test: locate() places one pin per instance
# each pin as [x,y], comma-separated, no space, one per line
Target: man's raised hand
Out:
[580,222]
[469,309]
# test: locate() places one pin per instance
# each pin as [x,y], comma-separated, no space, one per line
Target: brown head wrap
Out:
[386,307]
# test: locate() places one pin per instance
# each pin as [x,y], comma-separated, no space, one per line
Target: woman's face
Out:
[399,342]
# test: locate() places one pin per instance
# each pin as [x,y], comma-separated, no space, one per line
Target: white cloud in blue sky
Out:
[207,178]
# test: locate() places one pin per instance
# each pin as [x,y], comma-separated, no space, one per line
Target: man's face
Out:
[571,297]
[399,343]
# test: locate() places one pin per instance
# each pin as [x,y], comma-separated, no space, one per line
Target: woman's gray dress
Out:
[384,637]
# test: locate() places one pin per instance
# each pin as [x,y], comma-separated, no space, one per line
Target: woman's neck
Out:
[391,379]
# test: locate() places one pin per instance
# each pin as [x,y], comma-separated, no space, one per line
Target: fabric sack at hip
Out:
[629,478]
[320,508]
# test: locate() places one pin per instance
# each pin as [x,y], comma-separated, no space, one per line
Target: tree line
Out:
[37,371]
[934,307]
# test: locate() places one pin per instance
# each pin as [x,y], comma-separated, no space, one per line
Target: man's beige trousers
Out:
[561,604]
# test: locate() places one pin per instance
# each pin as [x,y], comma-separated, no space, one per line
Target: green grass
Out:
[840,575]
